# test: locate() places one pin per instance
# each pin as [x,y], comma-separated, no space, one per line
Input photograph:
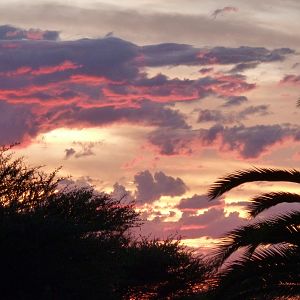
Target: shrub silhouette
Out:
[75,243]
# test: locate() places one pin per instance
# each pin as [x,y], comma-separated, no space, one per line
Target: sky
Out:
[155,100]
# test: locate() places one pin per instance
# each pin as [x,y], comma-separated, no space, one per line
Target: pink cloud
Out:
[97,82]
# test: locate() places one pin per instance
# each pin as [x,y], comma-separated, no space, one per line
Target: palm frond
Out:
[280,229]
[271,272]
[262,202]
[237,178]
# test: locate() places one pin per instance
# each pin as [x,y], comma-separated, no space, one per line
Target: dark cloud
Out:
[69,152]
[82,181]
[212,223]
[217,116]
[172,142]
[181,54]
[291,79]
[120,193]
[206,70]
[213,115]
[247,142]
[223,10]
[86,149]
[249,54]
[243,67]
[21,123]
[235,101]
[250,142]
[109,57]
[97,82]
[198,202]
[17,122]
[11,33]
[170,54]
[147,113]
[151,188]
[260,110]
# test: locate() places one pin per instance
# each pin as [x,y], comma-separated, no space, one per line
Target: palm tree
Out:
[268,250]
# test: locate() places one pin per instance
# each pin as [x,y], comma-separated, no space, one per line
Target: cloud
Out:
[213,115]
[110,71]
[120,193]
[235,101]
[217,116]
[144,26]
[239,68]
[212,223]
[98,82]
[260,110]
[69,152]
[223,10]
[198,202]
[21,123]
[86,150]
[247,142]
[172,142]
[145,113]
[291,79]
[151,188]
[205,70]
[11,33]
[17,123]
[175,54]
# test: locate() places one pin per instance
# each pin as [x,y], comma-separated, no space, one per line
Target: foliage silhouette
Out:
[269,267]
[75,243]
[172,270]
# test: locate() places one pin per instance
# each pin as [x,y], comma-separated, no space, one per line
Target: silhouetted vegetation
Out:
[75,243]
[269,265]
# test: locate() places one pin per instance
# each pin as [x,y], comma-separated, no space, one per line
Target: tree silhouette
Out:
[269,266]
[172,270]
[75,243]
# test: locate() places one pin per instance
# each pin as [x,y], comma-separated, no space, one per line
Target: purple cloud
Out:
[181,54]
[235,101]
[239,68]
[217,116]
[11,33]
[247,142]
[225,9]
[151,188]
[86,149]
[97,82]
[198,202]
[213,223]
[17,123]
[291,79]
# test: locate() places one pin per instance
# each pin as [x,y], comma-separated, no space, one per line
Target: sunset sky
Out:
[156,99]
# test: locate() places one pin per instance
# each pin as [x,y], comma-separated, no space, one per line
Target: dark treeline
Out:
[75,243]
[63,242]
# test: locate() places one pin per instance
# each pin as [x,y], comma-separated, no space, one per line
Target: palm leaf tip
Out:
[265,201]
[237,178]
